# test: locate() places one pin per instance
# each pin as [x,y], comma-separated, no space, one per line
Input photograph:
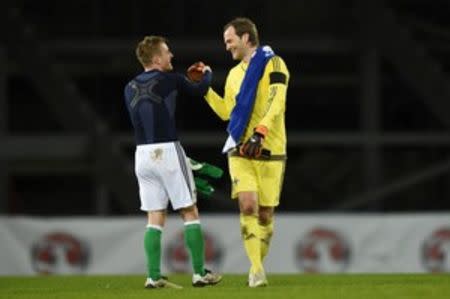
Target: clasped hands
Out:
[196,71]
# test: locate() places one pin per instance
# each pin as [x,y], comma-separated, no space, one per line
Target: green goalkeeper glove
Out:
[203,187]
[204,169]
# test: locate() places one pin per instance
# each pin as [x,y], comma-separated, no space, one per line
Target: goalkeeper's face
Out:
[234,44]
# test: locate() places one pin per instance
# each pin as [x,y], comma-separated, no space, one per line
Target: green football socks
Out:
[193,237]
[152,245]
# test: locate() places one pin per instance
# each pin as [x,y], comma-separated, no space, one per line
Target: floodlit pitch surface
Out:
[362,286]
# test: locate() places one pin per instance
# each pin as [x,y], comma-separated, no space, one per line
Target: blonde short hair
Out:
[148,48]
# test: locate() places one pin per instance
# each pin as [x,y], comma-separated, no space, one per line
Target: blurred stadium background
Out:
[368,104]
[367,111]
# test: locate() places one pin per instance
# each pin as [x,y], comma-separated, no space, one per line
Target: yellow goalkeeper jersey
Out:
[269,105]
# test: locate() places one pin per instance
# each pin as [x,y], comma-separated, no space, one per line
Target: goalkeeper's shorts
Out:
[264,177]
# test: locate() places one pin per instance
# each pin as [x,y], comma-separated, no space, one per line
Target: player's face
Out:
[165,58]
[234,44]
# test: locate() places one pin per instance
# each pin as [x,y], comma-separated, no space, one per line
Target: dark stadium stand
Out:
[368,109]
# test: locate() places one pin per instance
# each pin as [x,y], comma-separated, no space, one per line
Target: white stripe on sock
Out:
[155,227]
[192,222]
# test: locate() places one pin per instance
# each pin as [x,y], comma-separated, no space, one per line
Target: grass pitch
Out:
[348,286]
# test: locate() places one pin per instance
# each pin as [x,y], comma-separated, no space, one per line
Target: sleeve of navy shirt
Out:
[194,88]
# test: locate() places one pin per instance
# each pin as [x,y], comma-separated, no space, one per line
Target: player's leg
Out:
[152,239]
[181,189]
[244,187]
[152,243]
[248,207]
[270,177]
[266,223]
[250,231]
[154,201]
[193,237]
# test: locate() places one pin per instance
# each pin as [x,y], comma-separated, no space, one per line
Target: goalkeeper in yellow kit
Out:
[254,102]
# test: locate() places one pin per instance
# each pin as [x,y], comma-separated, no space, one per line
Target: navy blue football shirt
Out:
[151,99]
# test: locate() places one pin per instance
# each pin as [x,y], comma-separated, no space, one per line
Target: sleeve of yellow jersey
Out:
[278,75]
[221,106]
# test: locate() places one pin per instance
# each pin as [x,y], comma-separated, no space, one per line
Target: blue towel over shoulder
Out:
[245,99]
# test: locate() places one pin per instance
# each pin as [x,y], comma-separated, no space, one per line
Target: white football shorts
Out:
[164,174]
